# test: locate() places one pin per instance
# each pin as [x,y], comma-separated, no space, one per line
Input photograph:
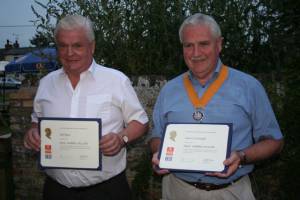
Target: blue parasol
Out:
[34,62]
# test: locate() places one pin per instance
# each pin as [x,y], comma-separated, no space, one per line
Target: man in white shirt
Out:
[84,89]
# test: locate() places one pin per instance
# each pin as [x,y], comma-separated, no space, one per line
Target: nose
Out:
[196,51]
[70,51]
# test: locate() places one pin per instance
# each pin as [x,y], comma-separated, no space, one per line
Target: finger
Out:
[217,174]
[230,170]
[108,140]
[35,140]
[112,146]
[110,143]
[110,150]
[26,145]
[32,139]
[155,165]
[104,139]
[160,171]
[155,159]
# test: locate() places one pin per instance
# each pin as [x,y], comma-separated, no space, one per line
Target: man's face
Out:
[75,50]
[200,50]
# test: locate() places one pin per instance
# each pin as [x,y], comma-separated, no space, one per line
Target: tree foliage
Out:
[141,36]
[284,40]
[41,40]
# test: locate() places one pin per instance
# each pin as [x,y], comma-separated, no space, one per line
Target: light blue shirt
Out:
[241,100]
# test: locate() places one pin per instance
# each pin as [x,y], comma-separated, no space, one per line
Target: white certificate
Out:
[70,143]
[195,147]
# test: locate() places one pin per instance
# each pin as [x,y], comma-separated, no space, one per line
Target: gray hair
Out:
[201,19]
[72,22]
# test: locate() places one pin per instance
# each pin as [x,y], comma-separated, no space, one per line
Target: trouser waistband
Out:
[84,188]
[210,186]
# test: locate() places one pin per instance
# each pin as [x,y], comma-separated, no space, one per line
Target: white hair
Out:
[201,19]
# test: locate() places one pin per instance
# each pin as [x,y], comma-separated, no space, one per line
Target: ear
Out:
[219,44]
[93,47]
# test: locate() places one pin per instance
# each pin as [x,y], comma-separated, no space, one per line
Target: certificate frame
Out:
[190,147]
[70,143]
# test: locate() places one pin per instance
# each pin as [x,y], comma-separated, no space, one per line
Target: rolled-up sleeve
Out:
[131,106]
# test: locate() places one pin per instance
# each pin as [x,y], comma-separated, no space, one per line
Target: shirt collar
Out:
[90,70]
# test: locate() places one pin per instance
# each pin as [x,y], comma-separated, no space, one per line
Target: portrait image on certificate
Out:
[70,143]
[195,147]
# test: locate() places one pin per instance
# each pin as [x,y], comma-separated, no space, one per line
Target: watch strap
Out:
[242,156]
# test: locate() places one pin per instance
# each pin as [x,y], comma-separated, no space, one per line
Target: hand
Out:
[155,167]
[111,144]
[233,163]
[32,139]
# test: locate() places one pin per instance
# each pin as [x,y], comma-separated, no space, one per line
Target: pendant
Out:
[198,115]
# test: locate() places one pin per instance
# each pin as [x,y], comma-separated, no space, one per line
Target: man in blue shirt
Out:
[226,95]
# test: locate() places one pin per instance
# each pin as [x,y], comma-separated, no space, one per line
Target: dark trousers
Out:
[116,188]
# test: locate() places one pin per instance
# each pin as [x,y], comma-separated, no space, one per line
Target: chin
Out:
[73,66]
[198,69]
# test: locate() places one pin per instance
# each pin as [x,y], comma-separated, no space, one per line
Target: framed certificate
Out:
[195,147]
[70,143]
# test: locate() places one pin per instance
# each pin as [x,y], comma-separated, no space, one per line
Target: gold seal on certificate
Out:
[173,135]
[48,133]
[195,147]
[70,143]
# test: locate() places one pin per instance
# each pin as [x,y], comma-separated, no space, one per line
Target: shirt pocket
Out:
[99,106]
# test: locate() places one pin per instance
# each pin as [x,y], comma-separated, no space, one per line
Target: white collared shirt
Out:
[101,93]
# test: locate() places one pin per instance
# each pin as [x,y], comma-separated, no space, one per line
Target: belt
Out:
[211,186]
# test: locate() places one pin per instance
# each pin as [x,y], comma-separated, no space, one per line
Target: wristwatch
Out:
[124,138]
[242,156]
